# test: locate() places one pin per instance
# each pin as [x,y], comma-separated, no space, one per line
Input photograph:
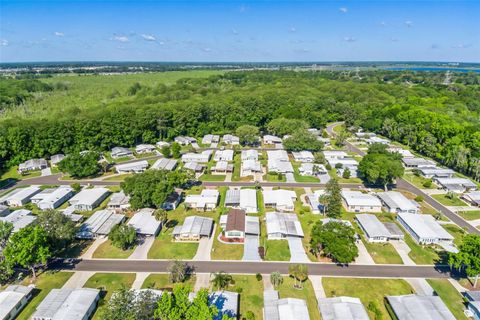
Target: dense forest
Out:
[439,120]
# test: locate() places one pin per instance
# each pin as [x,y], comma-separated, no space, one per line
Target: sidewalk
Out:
[318,287]
[139,280]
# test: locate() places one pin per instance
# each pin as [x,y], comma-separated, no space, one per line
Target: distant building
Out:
[403,152]
[56,158]
[89,199]
[99,224]
[184,141]
[457,185]
[373,140]
[145,223]
[472,197]
[193,166]
[20,196]
[418,307]
[210,138]
[121,152]
[250,154]
[55,198]
[342,308]
[283,225]
[434,172]
[231,139]
[119,202]
[68,304]
[205,201]
[145,148]
[417,163]
[334,154]
[165,164]
[132,167]
[203,157]
[396,202]
[303,156]
[193,228]
[13,299]
[162,144]
[356,201]
[32,165]
[312,169]
[281,200]
[283,309]
[376,231]
[269,139]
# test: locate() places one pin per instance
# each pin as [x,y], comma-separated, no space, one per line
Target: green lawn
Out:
[367,290]
[470,215]
[449,296]
[212,177]
[237,164]
[286,290]
[447,201]
[277,250]
[164,248]
[307,220]
[119,177]
[455,231]
[333,173]
[12,173]
[108,283]
[251,294]
[383,253]
[417,181]
[301,178]
[108,251]
[162,282]
[45,282]
[274,178]
[420,254]
[222,251]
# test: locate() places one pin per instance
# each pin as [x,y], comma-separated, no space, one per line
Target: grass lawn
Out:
[367,290]
[299,177]
[277,250]
[417,181]
[251,294]
[108,251]
[470,215]
[237,164]
[308,220]
[120,177]
[162,282]
[45,282]
[164,248]
[449,296]
[212,177]
[274,178]
[109,283]
[333,173]
[420,254]
[222,251]
[12,173]
[383,253]
[455,231]
[286,290]
[442,198]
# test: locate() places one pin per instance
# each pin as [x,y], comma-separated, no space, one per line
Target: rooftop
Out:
[195,225]
[425,226]
[372,226]
[89,196]
[235,220]
[19,218]
[342,308]
[10,297]
[144,222]
[357,198]
[284,223]
[419,307]
[101,222]
[394,199]
[283,309]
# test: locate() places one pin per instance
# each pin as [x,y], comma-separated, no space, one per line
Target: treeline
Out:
[439,121]
[17,91]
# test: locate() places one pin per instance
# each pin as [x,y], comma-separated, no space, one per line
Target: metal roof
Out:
[165,164]
[19,218]
[283,309]
[284,223]
[223,155]
[10,297]
[396,200]
[144,222]
[425,226]
[356,198]
[250,154]
[232,197]
[89,196]
[342,308]
[118,198]
[248,200]
[194,225]
[101,222]
[132,166]
[280,197]
[20,194]
[372,226]
[419,307]
[57,194]
[66,304]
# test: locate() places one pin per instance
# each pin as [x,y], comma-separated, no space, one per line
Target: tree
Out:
[276,279]
[335,240]
[60,229]
[221,280]
[299,272]
[152,187]
[319,158]
[6,229]
[166,151]
[179,271]
[161,215]
[248,134]
[178,306]
[341,137]
[332,199]
[175,149]
[302,140]
[346,173]
[131,305]
[29,247]
[123,236]
[379,167]
[80,165]
[76,187]
[468,256]
[283,126]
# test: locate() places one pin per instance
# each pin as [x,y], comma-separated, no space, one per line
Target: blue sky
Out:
[240,31]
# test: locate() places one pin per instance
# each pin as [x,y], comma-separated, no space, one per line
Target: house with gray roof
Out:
[20,196]
[396,202]
[193,166]
[418,307]
[144,222]
[99,224]
[472,197]
[68,304]
[13,299]
[193,228]
[375,230]
[231,139]
[32,165]
[56,158]
[356,201]
[55,198]
[173,200]
[283,225]
[434,172]
[165,164]
[236,224]
[275,308]
[121,152]
[132,167]
[457,185]
[145,148]
[119,201]
[222,167]
[20,219]
[89,199]
[342,308]
[223,155]
[210,138]
[417,163]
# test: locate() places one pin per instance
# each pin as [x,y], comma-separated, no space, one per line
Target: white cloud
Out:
[59,34]
[292,29]
[409,23]
[383,24]
[148,37]
[394,39]
[207,49]
[461,46]
[343,10]
[161,43]
[121,38]
[235,32]
[349,39]
[3,42]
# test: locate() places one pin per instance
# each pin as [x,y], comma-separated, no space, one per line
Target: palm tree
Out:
[221,280]
[276,279]
[299,272]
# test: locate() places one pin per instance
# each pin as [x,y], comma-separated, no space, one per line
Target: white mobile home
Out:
[121,152]
[32,165]
[193,228]
[145,223]
[13,299]
[283,225]
[20,219]
[425,229]
[19,197]
[355,201]
[119,202]
[205,201]
[132,167]
[89,199]
[56,198]
[396,202]
[281,200]
[99,224]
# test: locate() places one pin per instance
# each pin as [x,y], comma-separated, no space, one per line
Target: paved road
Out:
[250,267]
[404,184]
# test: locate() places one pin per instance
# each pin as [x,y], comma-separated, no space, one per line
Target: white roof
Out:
[144,222]
[418,162]
[303,155]
[372,226]
[335,154]
[419,307]
[284,223]
[144,147]
[342,308]
[473,196]
[20,194]
[226,155]
[89,196]
[252,165]
[248,199]
[19,218]
[10,297]
[459,181]
[54,196]
[101,222]
[283,309]
[394,200]
[165,164]
[207,196]
[132,166]
[269,137]
[197,157]
[277,155]
[250,154]
[279,197]
[66,304]
[195,225]
[119,198]
[435,171]
[120,150]
[344,161]
[356,198]
[403,152]
[425,226]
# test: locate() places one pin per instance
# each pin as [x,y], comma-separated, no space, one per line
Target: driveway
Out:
[250,248]
[89,253]
[289,176]
[141,251]
[297,252]
[78,279]
[46,172]
[363,256]
[205,247]
[403,249]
